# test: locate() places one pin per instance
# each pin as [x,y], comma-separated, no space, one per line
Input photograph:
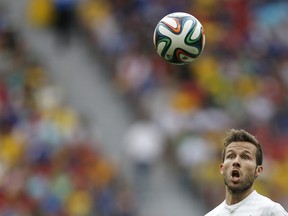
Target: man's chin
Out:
[237,187]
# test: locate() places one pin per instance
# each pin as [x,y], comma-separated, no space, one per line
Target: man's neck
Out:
[236,197]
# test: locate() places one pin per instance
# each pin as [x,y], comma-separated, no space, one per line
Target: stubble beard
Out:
[245,184]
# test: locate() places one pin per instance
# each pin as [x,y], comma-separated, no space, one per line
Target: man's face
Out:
[239,168]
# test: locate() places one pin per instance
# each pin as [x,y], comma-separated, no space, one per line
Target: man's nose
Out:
[236,162]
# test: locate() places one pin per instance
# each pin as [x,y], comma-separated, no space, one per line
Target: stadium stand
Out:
[239,81]
[48,164]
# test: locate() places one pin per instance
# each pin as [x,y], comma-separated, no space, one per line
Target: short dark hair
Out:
[241,135]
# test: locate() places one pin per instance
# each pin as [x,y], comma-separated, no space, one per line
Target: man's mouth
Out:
[235,175]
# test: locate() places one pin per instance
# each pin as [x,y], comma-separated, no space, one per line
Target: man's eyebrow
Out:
[242,152]
[230,150]
[246,152]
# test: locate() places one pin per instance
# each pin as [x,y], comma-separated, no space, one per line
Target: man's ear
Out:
[259,170]
[221,168]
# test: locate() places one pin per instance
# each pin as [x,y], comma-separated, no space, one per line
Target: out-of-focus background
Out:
[93,122]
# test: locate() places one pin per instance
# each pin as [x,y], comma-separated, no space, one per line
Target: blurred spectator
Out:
[65,20]
[40,13]
[144,143]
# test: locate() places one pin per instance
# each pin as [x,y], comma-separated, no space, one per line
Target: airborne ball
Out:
[179,38]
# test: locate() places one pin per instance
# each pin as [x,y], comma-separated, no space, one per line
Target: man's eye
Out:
[246,157]
[230,156]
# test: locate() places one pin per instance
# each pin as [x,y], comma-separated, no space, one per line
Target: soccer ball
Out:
[179,38]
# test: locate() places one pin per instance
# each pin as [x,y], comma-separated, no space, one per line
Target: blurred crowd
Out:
[48,163]
[239,81]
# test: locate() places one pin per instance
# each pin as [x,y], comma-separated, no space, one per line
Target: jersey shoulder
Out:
[269,205]
[218,210]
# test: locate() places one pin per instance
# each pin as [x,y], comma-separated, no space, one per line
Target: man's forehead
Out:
[241,147]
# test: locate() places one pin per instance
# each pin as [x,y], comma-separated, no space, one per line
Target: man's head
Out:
[241,160]
[243,136]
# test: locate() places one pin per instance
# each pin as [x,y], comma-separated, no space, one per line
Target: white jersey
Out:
[253,205]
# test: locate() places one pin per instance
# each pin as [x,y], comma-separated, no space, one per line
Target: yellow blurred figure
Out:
[281,178]
[40,12]
[247,86]
[93,10]
[101,173]
[207,72]
[183,101]
[11,149]
[79,203]
[35,77]
[65,120]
